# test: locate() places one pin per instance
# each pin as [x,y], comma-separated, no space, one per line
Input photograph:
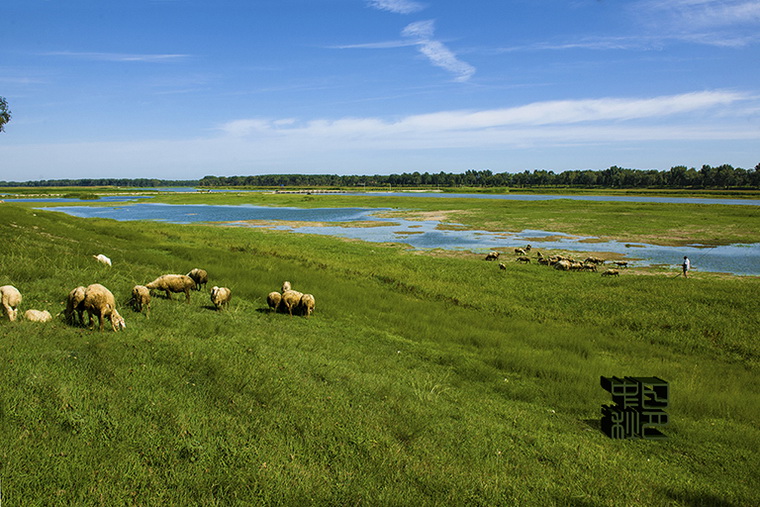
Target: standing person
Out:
[686,266]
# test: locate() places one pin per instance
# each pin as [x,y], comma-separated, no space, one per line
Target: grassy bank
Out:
[420,380]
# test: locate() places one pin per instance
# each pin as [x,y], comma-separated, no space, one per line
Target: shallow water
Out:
[737,259]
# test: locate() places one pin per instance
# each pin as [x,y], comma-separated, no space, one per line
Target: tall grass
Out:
[419,380]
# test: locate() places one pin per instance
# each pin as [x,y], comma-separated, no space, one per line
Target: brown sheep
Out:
[75,303]
[492,256]
[524,259]
[273,300]
[10,298]
[100,301]
[141,298]
[621,264]
[611,272]
[520,251]
[173,283]
[221,296]
[200,277]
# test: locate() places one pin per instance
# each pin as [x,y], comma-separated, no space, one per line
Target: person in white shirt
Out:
[686,266]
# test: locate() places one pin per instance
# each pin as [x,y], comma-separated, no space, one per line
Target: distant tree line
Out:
[724,176]
[102,182]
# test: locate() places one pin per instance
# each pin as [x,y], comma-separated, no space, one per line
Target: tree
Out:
[5,113]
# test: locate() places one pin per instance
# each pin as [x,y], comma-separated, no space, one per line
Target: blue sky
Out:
[185,88]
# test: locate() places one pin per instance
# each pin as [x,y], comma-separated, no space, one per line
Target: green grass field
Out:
[421,379]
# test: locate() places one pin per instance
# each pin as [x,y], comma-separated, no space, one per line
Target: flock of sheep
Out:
[559,262]
[98,301]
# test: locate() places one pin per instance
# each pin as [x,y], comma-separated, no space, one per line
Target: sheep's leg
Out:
[102,318]
[168,294]
[187,295]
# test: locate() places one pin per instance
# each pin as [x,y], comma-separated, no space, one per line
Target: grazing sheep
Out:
[102,259]
[492,256]
[285,286]
[502,266]
[273,300]
[621,264]
[291,299]
[520,251]
[141,298]
[173,283]
[593,260]
[524,259]
[75,302]
[528,247]
[611,272]
[307,304]
[10,298]
[589,267]
[544,261]
[576,266]
[221,296]
[539,254]
[563,265]
[38,316]
[100,301]
[200,277]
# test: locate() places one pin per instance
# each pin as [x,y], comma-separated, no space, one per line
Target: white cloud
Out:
[421,33]
[117,57]
[396,6]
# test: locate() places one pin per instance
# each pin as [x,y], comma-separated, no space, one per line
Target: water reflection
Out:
[738,259]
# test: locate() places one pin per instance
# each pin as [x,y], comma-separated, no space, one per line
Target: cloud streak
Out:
[421,34]
[396,6]
[116,57]
[537,119]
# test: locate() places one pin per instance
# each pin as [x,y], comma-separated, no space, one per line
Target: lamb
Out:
[141,298]
[273,300]
[221,296]
[307,304]
[173,283]
[38,316]
[524,259]
[200,277]
[285,286]
[611,272]
[100,301]
[102,259]
[10,298]
[502,266]
[492,256]
[75,302]
[291,299]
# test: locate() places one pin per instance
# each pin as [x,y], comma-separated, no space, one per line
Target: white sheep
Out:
[221,296]
[285,286]
[10,298]
[291,299]
[102,259]
[38,316]
[100,301]
[141,298]
[273,300]
[173,283]
[75,303]
[307,304]
[492,255]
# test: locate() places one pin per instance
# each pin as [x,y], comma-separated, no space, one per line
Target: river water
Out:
[742,259]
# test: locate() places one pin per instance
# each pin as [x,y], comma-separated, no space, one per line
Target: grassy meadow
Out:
[423,378]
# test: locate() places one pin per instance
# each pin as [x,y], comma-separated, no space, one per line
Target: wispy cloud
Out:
[116,57]
[421,34]
[594,115]
[396,6]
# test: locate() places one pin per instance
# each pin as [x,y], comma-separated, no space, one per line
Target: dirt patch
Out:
[296,224]
[438,215]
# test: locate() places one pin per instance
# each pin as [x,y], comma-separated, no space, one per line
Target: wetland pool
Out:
[364,224]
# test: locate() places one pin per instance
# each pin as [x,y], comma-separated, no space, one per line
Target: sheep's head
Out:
[117,321]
